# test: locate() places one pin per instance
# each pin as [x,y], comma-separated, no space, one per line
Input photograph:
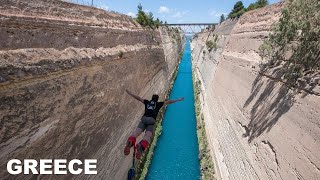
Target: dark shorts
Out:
[147,123]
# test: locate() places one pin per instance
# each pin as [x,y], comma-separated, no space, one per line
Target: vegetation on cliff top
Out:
[257,4]
[239,9]
[222,18]
[295,42]
[147,19]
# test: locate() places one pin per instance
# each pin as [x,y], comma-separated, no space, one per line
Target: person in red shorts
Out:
[148,120]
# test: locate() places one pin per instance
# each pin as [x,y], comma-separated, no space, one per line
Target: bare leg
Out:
[137,132]
[147,136]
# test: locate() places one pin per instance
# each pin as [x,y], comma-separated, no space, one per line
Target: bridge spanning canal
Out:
[191,28]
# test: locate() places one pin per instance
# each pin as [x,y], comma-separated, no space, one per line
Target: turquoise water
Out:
[176,154]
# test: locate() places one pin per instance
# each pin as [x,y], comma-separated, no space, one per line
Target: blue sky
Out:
[174,11]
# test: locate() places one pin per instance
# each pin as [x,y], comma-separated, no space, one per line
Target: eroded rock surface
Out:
[64,69]
[257,128]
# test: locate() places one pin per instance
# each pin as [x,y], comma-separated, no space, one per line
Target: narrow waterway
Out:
[176,154]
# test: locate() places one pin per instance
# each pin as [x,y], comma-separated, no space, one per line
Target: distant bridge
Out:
[191,28]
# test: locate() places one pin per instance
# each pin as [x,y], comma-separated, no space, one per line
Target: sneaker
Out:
[131,141]
[141,147]
[139,151]
[127,148]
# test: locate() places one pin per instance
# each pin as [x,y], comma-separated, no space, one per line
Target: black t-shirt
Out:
[152,108]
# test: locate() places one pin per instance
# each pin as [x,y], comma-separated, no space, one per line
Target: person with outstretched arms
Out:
[148,120]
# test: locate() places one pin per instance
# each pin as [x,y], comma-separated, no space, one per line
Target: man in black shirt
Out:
[148,120]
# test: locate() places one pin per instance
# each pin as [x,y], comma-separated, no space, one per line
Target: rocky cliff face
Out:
[257,127]
[64,69]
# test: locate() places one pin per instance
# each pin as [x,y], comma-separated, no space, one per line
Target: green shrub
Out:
[222,18]
[147,19]
[237,11]
[295,39]
[257,4]
[216,38]
[261,3]
[265,49]
[211,45]
[120,54]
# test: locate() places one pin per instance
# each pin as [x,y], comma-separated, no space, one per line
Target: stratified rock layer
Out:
[64,69]
[257,128]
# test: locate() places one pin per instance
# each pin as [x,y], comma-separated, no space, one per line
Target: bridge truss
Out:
[192,28]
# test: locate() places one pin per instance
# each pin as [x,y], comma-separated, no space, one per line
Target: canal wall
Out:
[256,126]
[64,69]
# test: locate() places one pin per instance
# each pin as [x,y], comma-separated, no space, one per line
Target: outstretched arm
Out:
[135,96]
[172,101]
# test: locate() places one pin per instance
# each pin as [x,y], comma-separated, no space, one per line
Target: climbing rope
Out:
[132,172]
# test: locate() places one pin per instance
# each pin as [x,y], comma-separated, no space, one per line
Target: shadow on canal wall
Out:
[253,119]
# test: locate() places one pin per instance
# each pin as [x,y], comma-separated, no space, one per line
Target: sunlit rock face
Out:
[64,69]
[257,128]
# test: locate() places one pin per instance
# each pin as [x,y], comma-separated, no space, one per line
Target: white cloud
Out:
[132,14]
[216,13]
[163,9]
[179,14]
